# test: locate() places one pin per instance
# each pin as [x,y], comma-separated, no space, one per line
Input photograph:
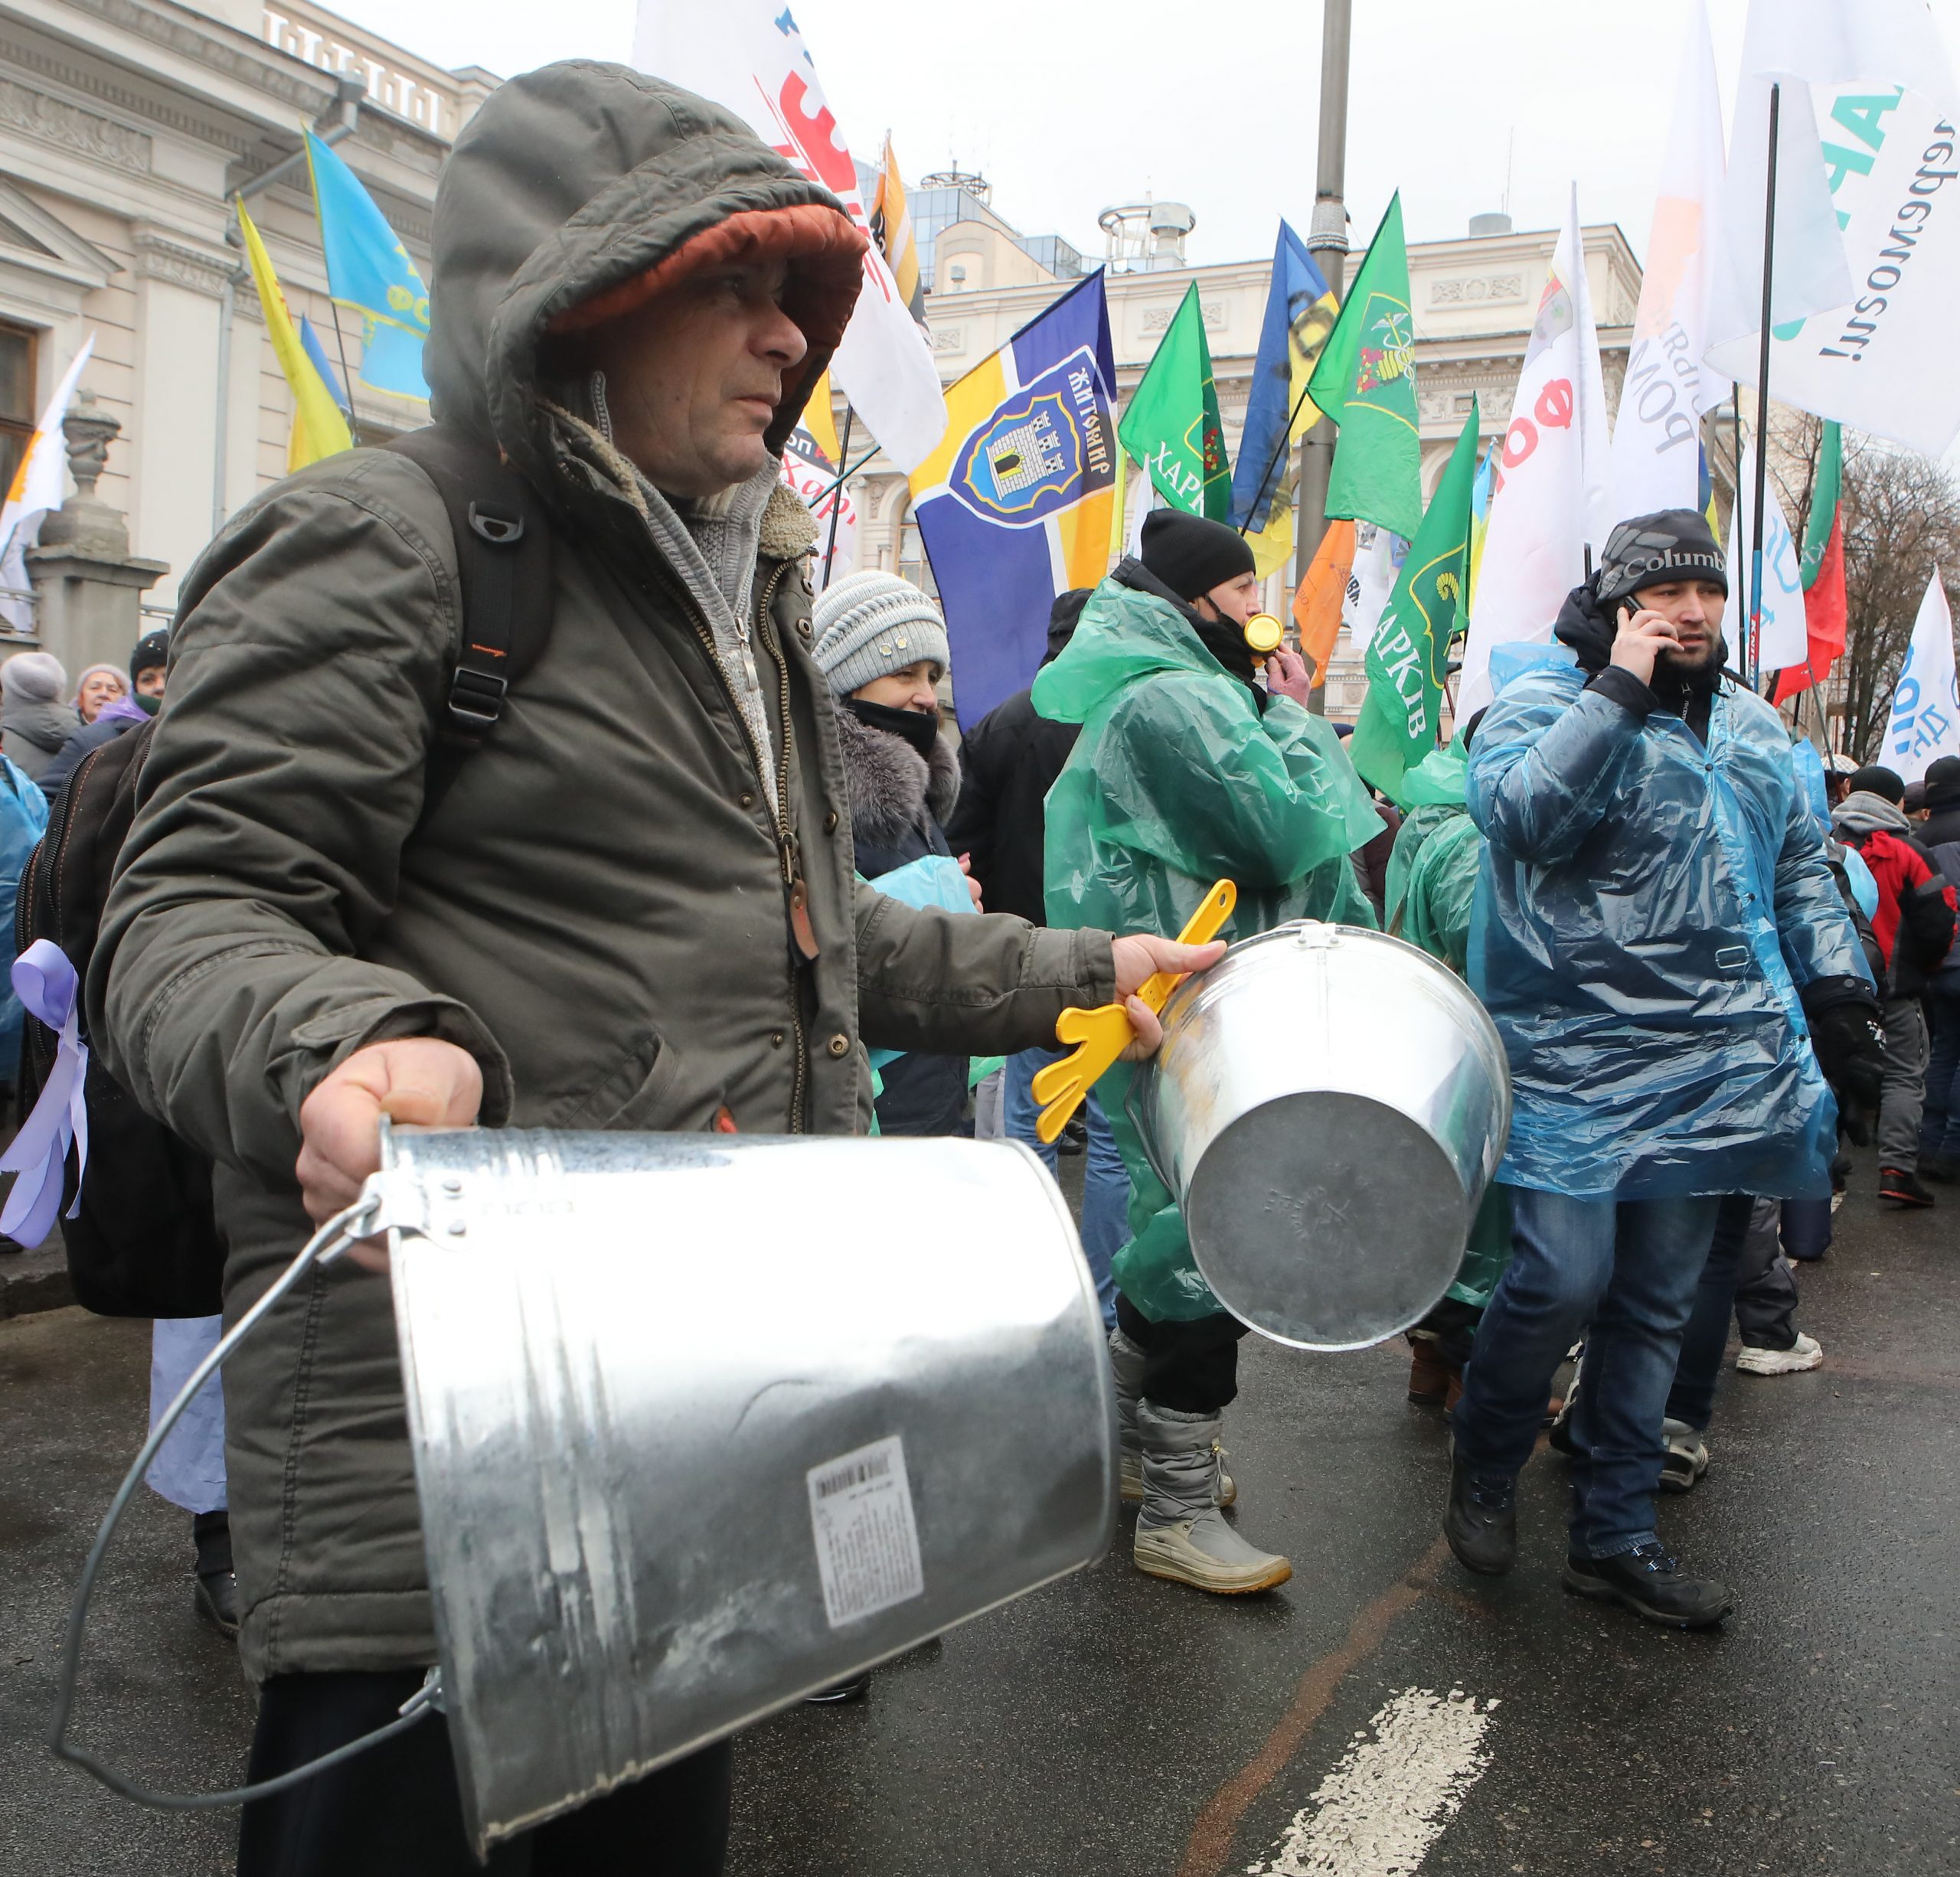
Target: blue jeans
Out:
[1105,1187]
[1940,1121]
[1624,1276]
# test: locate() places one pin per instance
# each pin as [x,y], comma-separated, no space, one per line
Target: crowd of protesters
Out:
[578,927]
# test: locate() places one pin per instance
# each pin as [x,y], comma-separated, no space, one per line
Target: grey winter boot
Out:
[1181,1534]
[1127,1362]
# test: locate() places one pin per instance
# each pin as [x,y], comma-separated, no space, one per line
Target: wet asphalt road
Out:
[1113,1724]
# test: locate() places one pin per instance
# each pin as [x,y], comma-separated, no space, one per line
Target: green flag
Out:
[1365,382]
[1410,652]
[1171,426]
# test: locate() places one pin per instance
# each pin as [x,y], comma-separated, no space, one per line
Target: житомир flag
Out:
[1170,425]
[1825,605]
[318,429]
[1300,312]
[1410,652]
[1365,382]
[369,269]
[1014,506]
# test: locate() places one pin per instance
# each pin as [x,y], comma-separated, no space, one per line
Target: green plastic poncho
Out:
[1177,780]
[1432,889]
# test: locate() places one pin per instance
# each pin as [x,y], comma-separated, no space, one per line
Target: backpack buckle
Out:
[476,700]
[501,529]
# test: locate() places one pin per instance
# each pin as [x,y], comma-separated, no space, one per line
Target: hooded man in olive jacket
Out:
[634,906]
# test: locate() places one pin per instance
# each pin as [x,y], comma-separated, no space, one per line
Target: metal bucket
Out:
[700,1425]
[1328,1106]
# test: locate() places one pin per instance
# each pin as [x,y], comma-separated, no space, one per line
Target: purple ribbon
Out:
[44,981]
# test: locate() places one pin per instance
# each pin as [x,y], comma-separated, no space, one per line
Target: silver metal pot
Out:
[700,1425]
[1328,1105]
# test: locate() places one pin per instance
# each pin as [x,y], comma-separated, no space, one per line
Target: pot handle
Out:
[1143,1134]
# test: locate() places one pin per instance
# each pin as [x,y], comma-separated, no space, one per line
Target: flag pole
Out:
[1753,663]
[1272,461]
[836,506]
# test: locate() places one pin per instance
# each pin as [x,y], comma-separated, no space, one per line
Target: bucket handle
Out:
[339,1234]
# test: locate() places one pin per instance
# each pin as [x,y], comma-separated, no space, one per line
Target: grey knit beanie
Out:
[34,677]
[869,625]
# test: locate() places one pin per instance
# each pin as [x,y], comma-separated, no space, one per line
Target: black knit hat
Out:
[1876,779]
[1674,544]
[1190,555]
[152,654]
[1943,783]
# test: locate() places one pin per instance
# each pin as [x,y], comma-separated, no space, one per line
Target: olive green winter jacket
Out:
[597,909]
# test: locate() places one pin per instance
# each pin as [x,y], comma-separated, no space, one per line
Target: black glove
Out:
[1850,1043]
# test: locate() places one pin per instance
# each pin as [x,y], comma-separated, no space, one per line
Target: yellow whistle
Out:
[1264,634]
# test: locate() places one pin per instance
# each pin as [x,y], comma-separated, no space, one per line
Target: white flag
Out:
[1371,580]
[808,472]
[748,56]
[1657,454]
[40,484]
[1847,60]
[1925,722]
[1885,361]
[1553,497]
[1785,641]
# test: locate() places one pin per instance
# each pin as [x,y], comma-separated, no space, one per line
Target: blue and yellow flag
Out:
[368,270]
[309,342]
[1300,312]
[318,429]
[1480,515]
[1014,507]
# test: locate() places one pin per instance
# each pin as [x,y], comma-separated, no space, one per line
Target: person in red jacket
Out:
[1914,926]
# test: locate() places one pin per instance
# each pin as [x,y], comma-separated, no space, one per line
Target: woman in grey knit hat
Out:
[882,643]
[35,723]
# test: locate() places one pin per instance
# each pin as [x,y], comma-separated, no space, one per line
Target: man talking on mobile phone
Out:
[1658,939]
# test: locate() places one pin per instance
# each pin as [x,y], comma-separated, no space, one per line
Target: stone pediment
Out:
[30,237]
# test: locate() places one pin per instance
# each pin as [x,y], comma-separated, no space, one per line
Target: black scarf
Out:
[919,728]
[1224,640]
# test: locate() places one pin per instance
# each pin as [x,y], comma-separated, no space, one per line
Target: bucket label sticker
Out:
[867,1540]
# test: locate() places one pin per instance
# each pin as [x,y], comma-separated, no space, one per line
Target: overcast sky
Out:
[1213,102]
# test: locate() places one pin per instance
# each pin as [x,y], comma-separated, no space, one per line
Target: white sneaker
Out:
[1683,1457]
[1805,1352]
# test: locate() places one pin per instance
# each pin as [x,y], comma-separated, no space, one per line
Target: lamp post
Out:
[1327,241]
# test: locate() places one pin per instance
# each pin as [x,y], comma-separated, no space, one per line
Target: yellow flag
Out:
[892,224]
[817,419]
[318,429]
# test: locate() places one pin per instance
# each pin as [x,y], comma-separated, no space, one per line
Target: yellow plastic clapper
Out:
[1104,1033]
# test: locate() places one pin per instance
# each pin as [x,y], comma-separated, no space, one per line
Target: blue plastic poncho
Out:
[1648,912]
[1178,780]
[23,820]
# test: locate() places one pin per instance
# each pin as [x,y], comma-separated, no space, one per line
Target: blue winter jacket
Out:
[1648,914]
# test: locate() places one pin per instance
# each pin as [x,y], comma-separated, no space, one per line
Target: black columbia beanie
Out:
[1674,544]
[1190,555]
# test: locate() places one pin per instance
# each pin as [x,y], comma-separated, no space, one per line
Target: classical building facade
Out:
[125,125]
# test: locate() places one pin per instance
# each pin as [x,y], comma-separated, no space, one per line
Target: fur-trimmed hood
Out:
[894,789]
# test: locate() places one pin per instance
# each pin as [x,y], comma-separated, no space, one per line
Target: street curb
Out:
[32,1282]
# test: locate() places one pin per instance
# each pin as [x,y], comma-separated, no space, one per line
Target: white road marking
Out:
[1378,1812]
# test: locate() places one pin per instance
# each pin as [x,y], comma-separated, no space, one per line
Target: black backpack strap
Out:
[503,552]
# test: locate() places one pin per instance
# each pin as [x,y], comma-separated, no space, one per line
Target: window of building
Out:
[913,564]
[16,390]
